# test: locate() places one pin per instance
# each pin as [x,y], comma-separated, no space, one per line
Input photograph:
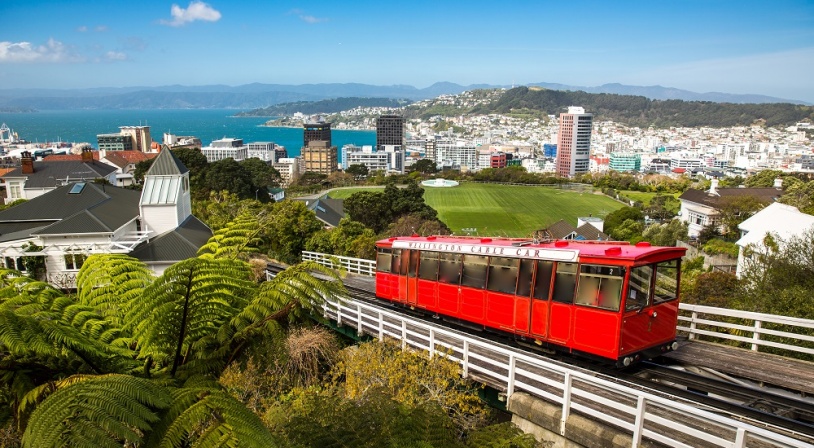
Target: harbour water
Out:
[207,124]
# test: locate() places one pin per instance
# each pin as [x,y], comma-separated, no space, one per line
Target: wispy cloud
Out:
[52,51]
[306,17]
[112,56]
[101,28]
[195,11]
[82,29]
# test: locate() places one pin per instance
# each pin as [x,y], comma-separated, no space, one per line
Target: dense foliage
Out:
[328,106]
[642,112]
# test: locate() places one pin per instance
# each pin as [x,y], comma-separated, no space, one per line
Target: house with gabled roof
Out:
[781,221]
[35,178]
[588,230]
[79,219]
[701,208]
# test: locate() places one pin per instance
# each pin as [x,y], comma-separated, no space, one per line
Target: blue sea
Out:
[207,124]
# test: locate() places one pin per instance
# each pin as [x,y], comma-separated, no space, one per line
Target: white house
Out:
[79,219]
[781,220]
[33,179]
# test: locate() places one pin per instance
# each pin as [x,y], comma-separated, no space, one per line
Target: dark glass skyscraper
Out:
[389,131]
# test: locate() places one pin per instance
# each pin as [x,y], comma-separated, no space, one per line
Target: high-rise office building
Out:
[320,157]
[574,142]
[389,132]
[318,131]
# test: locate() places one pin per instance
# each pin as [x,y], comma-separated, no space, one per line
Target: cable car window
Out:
[600,286]
[383,260]
[639,287]
[449,268]
[474,272]
[565,282]
[666,281]
[542,283]
[503,274]
[412,269]
[395,266]
[524,277]
[428,267]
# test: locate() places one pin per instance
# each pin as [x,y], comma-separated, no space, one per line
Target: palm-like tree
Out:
[133,359]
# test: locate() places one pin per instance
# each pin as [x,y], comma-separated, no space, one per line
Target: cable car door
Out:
[412,276]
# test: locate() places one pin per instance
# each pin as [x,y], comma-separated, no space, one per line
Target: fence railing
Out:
[695,321]
[349,264]
[639,413]
[787,333]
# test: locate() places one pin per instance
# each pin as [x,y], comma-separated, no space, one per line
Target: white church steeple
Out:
[165,200]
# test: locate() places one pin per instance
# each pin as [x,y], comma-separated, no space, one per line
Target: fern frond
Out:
[237,238]
[190,301]
[110,282]
[104,409]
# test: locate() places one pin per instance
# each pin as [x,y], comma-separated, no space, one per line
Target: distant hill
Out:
[644,112]
[329,106]
[258,95]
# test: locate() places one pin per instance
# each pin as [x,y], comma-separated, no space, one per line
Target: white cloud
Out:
[82,29]
[101,28]
[196,10]
[115,56]
[52,51]
[307,18]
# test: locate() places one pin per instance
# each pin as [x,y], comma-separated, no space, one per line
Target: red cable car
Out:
[608,299]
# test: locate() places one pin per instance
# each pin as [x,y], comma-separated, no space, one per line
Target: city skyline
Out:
[741,47]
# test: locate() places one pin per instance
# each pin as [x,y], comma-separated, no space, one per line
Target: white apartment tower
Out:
[574,142]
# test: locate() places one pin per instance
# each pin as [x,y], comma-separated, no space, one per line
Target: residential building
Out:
[35,178]
[364,155]
[390,132]
[701,208]
[461,154]
[574,142]
[78,219]
[289,169]
[782,221]
[625,161]
[265,151]
[129,138]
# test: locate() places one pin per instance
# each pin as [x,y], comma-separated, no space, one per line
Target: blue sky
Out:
[742,46]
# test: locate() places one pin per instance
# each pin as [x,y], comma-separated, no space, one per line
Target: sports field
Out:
[507,210]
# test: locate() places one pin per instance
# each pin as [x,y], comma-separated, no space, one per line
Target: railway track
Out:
[761,408]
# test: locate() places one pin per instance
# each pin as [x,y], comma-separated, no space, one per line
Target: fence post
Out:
[638,427]
[466,359]
[359,331]
[381,327]
[756,335]
[566,402]
[432,343]
[692,324]
[403,334]
[510,386]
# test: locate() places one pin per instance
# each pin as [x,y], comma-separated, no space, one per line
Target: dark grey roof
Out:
[705,198]
[175,245]
[50,174]
[588,232]
[330,211]
[561,230]
[166,164]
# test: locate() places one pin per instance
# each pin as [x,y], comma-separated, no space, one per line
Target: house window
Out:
[74,260]
[15,192]
[14,263]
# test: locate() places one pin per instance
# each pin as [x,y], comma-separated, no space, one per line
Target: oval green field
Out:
[508,210]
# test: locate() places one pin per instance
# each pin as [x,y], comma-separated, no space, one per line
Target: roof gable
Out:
[49,174]
[166,164]
[714,200]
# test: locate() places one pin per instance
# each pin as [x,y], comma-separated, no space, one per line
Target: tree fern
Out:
[110,282]
[239,237]
[288,296]
[106,410]
[189,302]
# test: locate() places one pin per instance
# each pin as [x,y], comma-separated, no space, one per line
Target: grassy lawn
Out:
[644,197]
[506,210]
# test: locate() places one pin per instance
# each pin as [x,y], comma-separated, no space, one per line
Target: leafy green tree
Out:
[290,225]
[424,166]
[799,194]
[666,234]
[662,207]
[764,178]
[735,210]
[358,171]
[228,175]
[616,218]
[263,176]
[371,208]
[629,230]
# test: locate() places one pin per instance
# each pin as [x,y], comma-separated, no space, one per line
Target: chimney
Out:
[713,185]
[26,162]
[778,183]
[87,155]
